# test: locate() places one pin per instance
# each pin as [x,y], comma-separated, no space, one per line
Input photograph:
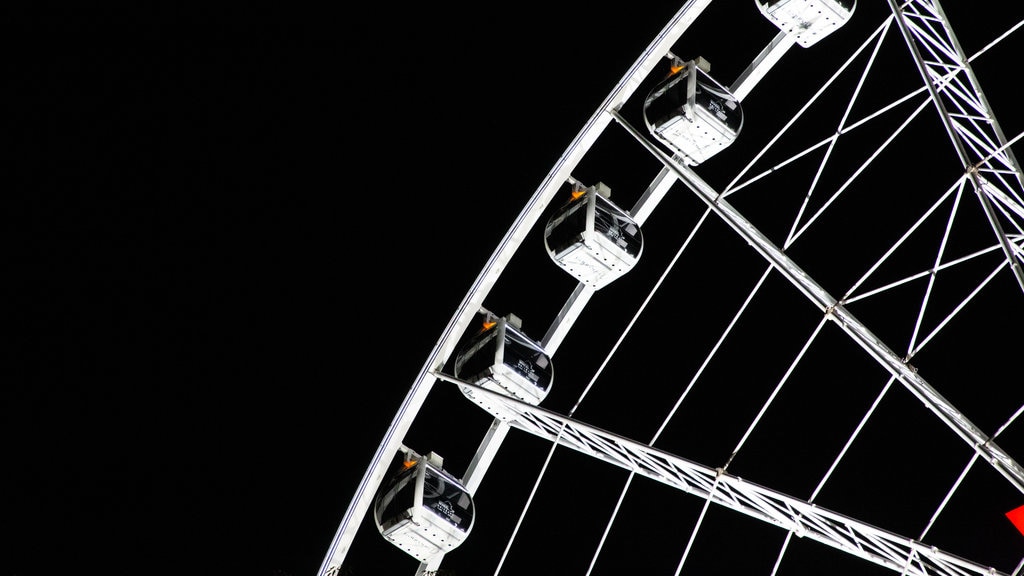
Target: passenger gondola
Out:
[593,239]
[807,20]
[424,510]
[692,114]
[501,358]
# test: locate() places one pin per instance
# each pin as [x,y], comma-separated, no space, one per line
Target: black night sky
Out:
[237,233]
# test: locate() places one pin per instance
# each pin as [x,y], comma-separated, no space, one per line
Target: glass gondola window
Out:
[593,239]
[396,502]
[424,510]
[502,358]
[692,114]
[526,358]
[447,499]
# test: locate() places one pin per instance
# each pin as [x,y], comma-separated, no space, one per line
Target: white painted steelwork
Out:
[989,166]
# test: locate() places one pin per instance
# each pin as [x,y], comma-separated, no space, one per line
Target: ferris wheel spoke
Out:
[720,488]
[947,274]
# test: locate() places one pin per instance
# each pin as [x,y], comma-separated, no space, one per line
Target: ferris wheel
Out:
[763,314]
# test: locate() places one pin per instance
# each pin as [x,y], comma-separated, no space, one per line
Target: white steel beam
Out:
[927,31]
[805,520]
[836,311]
[756,71]
[490,273]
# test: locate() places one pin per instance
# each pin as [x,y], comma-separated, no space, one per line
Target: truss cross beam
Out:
[806,520]
[977,137]
[829,305]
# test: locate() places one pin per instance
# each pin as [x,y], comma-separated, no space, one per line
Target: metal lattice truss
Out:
[988,164]
[805,520]
[979,141]
[854,328]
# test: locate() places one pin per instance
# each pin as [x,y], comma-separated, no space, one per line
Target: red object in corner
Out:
[1017,517]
